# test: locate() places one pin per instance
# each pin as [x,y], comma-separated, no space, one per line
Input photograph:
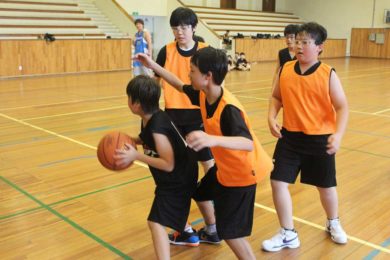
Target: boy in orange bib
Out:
[315,115]
[240,160]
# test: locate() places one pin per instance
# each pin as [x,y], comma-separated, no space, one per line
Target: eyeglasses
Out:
[304,42]
[181,28]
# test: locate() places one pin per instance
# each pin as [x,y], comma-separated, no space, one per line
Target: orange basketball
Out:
[107,146]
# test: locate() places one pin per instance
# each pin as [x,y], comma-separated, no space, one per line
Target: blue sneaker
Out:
[184,238]
[204,237]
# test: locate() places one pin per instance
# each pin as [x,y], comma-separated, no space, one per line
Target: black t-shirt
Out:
[284,56]
[241,61]
[181,117]
[184,176]
[232,123]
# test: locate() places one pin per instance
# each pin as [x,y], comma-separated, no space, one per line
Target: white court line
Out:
[73,113]
[241,96]
[360,241]
[78,112]
[59,135]
[250,89]
[367,113]
[352,111]
[382,111]
[61,103]
[352,238]
[249,82]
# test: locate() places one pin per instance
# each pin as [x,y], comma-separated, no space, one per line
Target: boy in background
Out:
[142,44]
[175,57]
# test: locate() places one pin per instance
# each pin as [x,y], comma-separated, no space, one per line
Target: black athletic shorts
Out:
[233,206]
[171,210]
[204,154]
[297,152]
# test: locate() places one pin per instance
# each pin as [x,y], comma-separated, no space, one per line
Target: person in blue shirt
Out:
[142,44]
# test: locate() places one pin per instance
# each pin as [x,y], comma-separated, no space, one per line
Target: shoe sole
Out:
[337,242]
[210,242]
[184,244]
[280,248]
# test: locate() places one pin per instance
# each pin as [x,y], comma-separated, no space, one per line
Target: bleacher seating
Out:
[248,23]
[30,19]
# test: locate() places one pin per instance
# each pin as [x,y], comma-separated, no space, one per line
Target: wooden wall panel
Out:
[267,49]
[63,56]
[361,46]
[334,48]
[9,59]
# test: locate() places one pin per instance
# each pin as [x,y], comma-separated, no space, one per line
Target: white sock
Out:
[188,229]
[211,229]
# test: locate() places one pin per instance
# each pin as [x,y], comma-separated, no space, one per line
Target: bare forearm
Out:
[169,77]
[233,142]
[341,119]
[274,107]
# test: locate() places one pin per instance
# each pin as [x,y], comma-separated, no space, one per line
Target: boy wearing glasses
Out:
[315,114]
[175,57]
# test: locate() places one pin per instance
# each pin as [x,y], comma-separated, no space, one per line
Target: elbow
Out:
[169,167]
[250,146]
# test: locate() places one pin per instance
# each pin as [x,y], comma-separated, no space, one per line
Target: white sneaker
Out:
[337,233]
[285,238]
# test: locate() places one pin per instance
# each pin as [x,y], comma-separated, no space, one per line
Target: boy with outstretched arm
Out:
[240,160]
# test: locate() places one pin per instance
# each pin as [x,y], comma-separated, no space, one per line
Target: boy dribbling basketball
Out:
[172,164]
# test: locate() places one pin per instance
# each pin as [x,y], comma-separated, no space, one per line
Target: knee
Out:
[327,191]
[279,185]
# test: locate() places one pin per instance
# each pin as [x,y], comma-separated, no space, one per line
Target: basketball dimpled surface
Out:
[107,146]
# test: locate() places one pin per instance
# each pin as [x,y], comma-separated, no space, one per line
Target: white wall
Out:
[207,3]
[123,22]
[240,4]
[145,7]
[338,17]
[157,21]
[380,6]
[255,5]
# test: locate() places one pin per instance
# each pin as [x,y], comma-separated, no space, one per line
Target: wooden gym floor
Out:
[57,202]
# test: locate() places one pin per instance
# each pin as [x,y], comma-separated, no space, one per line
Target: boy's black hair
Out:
[146,91]
[241,53]
[183,16]
[291,29]
[212,60]
[315,30]
[139,21]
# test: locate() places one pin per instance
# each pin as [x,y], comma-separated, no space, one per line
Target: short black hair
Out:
[139,21]
[183,16]
[241,53]
[315,30]
[212,60]
[146,91]
[291,29]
